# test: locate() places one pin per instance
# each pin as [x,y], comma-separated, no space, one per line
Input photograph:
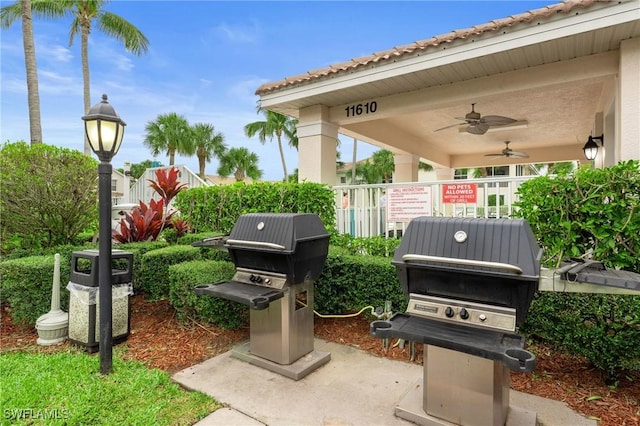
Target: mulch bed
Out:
[160,341]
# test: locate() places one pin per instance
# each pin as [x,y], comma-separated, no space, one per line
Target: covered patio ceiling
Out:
[551,72]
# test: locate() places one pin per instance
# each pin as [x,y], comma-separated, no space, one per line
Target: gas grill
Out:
[469,283]
[278,257]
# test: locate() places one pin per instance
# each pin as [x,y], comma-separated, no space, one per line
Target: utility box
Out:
[84,297]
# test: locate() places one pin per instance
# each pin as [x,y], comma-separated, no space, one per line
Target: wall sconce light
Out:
[591,147]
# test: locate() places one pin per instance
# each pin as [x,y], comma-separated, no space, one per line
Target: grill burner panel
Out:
[474,314]
[484,343]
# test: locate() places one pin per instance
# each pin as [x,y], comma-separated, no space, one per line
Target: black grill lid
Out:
[275,232]
[498,247]
[295,244]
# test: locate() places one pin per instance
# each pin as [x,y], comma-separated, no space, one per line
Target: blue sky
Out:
[207,58]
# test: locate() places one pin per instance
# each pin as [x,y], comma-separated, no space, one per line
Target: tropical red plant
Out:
[181,227]
[146,222]
[167,184]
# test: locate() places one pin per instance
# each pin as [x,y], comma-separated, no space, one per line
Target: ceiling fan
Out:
[508,152]
[477,124]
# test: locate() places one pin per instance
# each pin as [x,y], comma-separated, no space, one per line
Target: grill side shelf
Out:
[256,297]
[489,344]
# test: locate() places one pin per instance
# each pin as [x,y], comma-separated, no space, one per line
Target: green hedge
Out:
[26,285]
[604,328]
[185,276]
[217,208]
[349,283]
[138,250]
[593,211]
[154,271]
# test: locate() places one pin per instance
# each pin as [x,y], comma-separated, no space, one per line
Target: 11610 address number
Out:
[360,109]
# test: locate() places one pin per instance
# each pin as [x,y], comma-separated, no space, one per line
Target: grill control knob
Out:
[464,314]
[448,312]
[258,279]
[482,317]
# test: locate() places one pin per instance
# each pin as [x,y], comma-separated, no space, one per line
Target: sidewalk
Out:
[353,388]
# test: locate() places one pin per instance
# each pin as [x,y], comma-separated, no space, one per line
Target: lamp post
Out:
[104,130]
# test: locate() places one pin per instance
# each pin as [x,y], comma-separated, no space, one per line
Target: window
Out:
[498,171]
[114,185]
[460,174]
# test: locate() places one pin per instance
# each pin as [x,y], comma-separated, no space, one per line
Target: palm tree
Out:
[277,125]
[383,161]
[378,169]
[170,133]
[208,144]
[241,163]
[84,12]
[8,15]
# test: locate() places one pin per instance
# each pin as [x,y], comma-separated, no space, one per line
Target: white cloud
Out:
[55,52]
[246,34]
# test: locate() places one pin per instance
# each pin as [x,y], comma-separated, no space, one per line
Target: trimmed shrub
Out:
[593,211]
[217,207]
[154,273]
[26,285]
[604,328]
[185,276]
[349,283]
[373,246]
[138,250]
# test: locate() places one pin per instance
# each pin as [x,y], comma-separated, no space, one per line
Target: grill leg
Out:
[465,389]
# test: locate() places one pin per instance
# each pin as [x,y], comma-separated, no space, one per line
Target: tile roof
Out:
[423,45]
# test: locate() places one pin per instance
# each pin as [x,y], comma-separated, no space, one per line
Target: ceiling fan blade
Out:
[494,155]
[448,127]
[518,154]
[478,129]
[497,120]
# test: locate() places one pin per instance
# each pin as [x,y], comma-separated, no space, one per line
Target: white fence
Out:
[385,209]
[370,210]
[142,191]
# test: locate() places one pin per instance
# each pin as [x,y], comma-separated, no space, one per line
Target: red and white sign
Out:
[459,193]
[405,204]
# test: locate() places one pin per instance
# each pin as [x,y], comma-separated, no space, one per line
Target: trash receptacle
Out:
[84,296]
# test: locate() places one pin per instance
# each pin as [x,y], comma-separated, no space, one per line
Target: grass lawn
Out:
[67,388]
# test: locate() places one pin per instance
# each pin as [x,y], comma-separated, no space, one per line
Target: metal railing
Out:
[371,210]
[364,211]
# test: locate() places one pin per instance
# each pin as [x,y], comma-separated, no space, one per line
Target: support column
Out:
[628,129]
[317,140]
[444,173]
[406,168]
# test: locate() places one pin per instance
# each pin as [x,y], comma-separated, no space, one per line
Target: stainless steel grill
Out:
[278,257]
[469,283]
